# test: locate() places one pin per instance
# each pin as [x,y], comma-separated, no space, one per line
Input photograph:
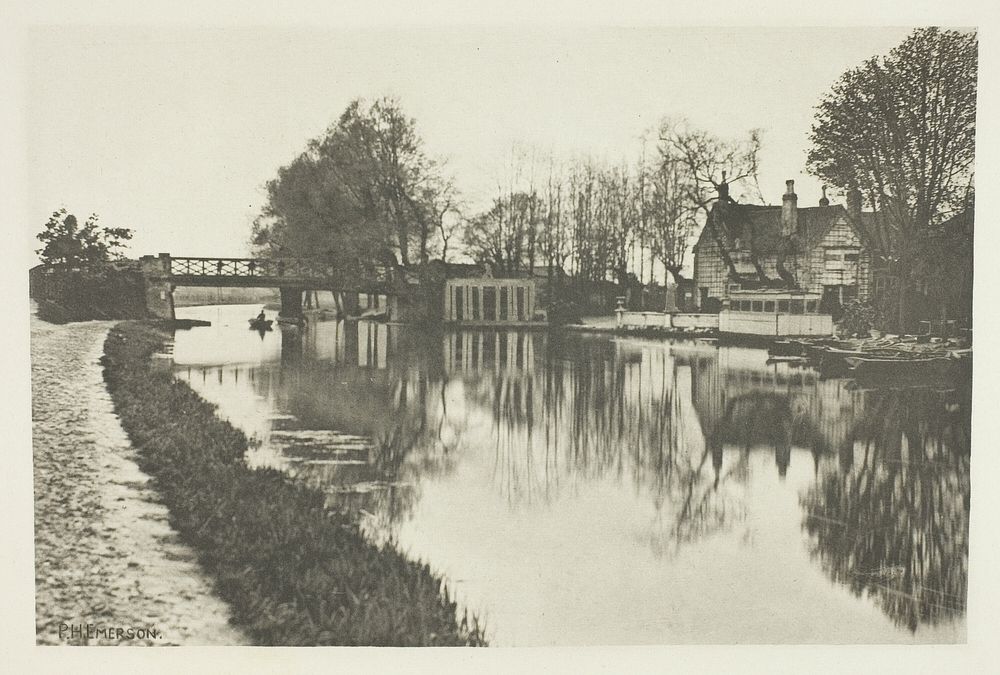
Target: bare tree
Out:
[703,167]
[670,217]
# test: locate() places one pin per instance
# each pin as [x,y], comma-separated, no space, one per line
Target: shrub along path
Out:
[293,572]
[104,550]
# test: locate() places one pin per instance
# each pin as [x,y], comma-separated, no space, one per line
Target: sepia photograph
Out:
[498,335]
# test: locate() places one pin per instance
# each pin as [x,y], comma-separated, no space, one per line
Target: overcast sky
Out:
[174,132]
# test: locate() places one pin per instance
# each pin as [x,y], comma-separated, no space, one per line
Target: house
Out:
[817,250]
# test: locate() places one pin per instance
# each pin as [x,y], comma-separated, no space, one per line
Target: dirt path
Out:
[104,551]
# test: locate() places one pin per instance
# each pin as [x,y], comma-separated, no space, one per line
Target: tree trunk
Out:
[675,272]
[901,309]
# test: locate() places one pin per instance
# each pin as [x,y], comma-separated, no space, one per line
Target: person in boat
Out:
[260,317]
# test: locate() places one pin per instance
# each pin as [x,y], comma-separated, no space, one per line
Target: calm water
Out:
[589,490]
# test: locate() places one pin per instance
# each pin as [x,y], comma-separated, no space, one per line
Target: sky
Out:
[174,131]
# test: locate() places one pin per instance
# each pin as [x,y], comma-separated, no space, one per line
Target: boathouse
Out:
[491,302]
[774,312]
[817,249]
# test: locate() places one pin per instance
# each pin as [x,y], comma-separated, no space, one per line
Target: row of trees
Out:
[601,221]
[367,192]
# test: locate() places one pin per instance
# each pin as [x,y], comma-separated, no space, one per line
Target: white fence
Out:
[668,321]
[728,321]
[758,323]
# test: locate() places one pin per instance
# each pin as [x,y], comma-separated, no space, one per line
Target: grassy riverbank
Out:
[292,572]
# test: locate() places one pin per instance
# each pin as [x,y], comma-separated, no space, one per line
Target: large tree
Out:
[364,192]
[901,129]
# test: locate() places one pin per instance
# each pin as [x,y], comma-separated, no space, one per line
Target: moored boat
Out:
[899,367]
[784,348]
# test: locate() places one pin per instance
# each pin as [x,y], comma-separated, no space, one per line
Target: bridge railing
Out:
[288,268]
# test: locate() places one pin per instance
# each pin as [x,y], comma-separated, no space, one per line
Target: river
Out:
[578,490]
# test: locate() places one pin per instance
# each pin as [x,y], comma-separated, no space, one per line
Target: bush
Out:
[711,306]
[99,293]
[562,312]
[859,318]
[293,572]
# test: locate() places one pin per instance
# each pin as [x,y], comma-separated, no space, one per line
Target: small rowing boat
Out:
[260,324]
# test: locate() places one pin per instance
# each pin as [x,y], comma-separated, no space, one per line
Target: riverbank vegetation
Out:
[293,572]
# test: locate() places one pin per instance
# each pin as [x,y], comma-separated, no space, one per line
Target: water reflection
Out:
[493,453]
[890,518]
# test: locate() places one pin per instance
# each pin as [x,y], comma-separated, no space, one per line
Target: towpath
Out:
[105,553]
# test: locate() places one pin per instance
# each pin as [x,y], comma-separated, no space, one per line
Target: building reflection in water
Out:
[373,411]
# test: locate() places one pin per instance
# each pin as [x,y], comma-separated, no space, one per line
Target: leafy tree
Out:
[901,129]
[67,243]
[364,192]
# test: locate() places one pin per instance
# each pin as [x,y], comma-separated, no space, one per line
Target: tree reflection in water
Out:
[586,411]
[890,519]
[556,416]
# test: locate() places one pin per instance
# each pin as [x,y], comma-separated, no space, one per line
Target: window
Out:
[758,306]
[851,257]
[797,306]
[783,306]
[810,306]
[769,306]
[832,255]
[475,304]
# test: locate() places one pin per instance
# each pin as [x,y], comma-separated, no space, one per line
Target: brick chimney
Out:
[723,189]
[823,201]
[789,210]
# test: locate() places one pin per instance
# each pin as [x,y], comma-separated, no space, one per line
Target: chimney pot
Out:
[823,201]
[789,187]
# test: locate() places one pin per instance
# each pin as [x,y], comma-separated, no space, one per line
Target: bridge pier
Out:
[291,303]
[159,290]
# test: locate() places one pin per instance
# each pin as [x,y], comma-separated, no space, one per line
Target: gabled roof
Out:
[759,227]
